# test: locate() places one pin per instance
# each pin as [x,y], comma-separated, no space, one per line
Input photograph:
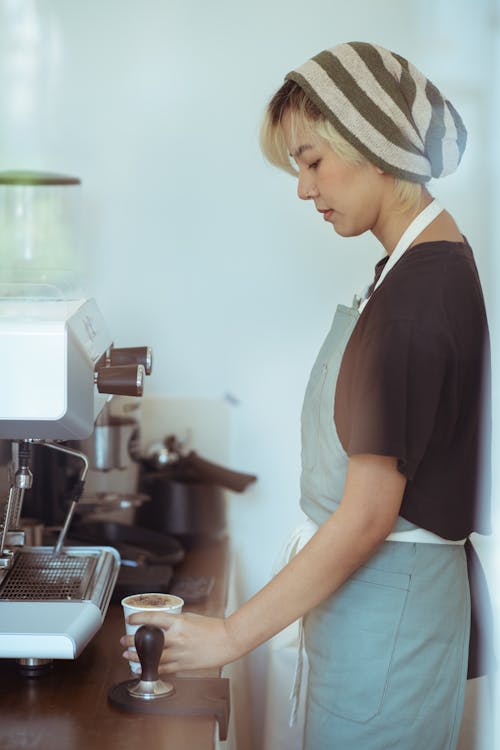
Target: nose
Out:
[305,187]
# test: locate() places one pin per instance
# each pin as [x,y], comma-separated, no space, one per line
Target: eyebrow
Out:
[301,150]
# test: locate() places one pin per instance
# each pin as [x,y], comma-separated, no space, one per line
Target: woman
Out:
[390,422]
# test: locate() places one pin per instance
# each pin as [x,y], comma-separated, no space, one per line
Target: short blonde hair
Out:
[291,99]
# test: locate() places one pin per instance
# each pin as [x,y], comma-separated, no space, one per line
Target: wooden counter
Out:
[67,709]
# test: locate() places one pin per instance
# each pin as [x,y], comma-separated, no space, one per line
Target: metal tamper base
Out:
[182,696]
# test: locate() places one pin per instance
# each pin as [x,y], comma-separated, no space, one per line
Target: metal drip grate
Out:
[37,576]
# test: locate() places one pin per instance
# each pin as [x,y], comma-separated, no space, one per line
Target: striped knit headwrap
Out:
[386,108]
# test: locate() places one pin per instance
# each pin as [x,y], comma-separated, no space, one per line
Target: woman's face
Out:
[349,196]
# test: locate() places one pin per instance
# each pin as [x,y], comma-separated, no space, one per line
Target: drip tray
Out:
[51,607]
[38,576]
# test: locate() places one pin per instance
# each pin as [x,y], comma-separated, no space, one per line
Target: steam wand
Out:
[74,494]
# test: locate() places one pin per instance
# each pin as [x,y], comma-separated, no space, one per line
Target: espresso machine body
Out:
[59,369]
[50,604]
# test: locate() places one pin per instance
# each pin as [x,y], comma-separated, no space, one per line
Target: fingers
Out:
[127,641]
[166,665]
[161,619]
[167,623]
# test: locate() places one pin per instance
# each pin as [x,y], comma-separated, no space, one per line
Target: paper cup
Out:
[152,602]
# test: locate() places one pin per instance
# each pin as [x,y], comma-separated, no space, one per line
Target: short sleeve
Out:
[389,392]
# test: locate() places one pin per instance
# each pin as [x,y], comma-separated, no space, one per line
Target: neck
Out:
[391,223]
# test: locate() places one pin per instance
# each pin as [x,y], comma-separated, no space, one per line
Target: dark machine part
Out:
[187,493]
[58,482]
[167,457]
[39,500]
[53,473]
[136,544]
[191,512]
[112,447]
[187,696]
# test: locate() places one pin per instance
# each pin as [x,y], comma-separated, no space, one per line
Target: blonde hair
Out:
[291,99]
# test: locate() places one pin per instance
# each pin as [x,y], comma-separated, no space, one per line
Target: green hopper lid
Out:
[19,177]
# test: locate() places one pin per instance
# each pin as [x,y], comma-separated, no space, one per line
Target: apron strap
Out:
[410,234]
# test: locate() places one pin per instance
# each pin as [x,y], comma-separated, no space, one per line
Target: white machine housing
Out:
[53,630]
[49,352]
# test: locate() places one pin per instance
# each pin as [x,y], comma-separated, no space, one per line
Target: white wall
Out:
[193,243]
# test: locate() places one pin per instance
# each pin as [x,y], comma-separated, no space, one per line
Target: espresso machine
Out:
[59,369]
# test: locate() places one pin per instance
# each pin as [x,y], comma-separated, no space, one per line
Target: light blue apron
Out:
[388,651]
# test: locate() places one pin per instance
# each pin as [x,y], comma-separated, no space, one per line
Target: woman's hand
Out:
[191,641]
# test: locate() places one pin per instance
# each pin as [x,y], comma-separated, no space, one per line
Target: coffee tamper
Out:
[149,645]
[182,696]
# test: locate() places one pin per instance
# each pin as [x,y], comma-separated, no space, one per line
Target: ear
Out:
[379,171]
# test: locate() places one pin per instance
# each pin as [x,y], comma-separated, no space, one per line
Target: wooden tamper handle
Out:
[149,645]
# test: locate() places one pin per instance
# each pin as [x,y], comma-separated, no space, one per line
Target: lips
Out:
[327,212]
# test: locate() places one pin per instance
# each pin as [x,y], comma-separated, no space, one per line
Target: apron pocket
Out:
[350,640]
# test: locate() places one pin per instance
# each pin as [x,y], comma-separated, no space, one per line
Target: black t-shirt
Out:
[413,384]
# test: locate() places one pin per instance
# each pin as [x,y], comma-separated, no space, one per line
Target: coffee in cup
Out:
[152,601]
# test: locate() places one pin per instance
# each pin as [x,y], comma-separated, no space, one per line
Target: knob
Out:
[121,380]
[138,355]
